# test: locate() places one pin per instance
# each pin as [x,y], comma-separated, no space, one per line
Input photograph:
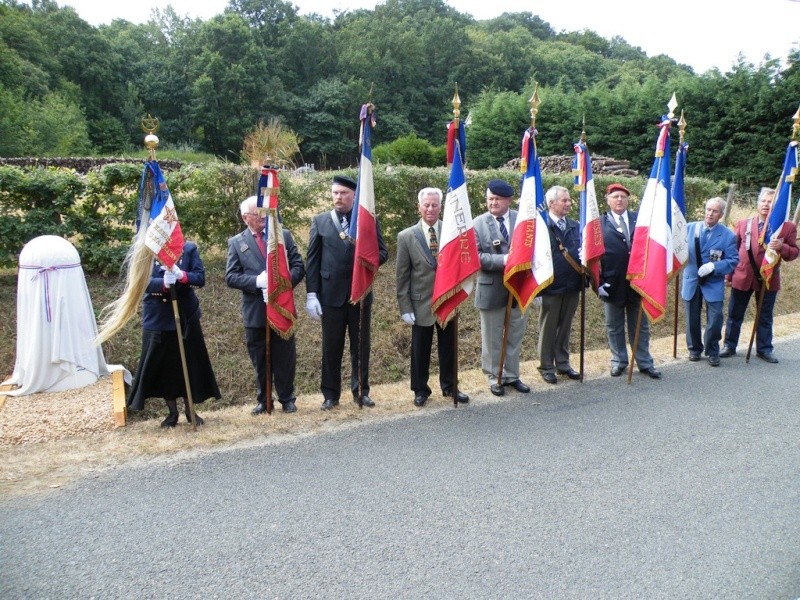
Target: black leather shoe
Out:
[694,356]
[617,371]
[497,389]
[767,356]
[713,361]
[260,409]
[461,397]
[365,400]
[329,404]
[170,421]
[550,377]
[420,400]
[652,372]
[727,351]
[571,373]
[519,386]
[289,406]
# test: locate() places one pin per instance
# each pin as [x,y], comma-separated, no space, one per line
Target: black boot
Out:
[172,417]
[200,420]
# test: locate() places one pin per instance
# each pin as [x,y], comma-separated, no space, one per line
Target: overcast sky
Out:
[700,33]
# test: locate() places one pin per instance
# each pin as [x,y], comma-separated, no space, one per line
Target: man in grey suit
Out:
[245,271]
[493,230]
[417,253]
[330,273]
[620,300]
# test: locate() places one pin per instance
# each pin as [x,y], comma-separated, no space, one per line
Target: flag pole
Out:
[584,274]
[681,134]
[265,212]
[454,322]
[151,142]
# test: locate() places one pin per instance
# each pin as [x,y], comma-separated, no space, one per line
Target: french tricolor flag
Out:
[163,235]
[780,212]
[529,267]
[363,225]
[680,241]
[458,251]
[652,259]
[592,244]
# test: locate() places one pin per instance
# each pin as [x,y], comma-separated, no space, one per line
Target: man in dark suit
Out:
[417,253]
[746,280]
[245,271]
[712,256]
[621,301]
[560,298]
[493,232]
[330,273]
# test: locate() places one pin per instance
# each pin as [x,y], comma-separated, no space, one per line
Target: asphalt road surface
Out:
[682,488]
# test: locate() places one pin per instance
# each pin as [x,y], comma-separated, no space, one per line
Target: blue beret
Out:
[500,188]
[345,181]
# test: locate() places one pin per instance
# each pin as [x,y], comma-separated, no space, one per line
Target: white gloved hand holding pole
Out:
[261,280]
[602,291]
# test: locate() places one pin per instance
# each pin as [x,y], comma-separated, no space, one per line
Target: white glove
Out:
[580,254]
[706,269]
[313,307]
[265,293]
[537,302]
[261,280]
[169,278]
[409,318]
[177,271]
[505,259]
[602,291]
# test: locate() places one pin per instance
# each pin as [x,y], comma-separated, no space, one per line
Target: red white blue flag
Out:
[680,241]
[779,213]
[458,259]
[163,235]
[281,312]
[592,245]
[529,267]
[651,262]
[456,131]
[363,225]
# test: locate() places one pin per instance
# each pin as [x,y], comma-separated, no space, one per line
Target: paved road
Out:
[684,488]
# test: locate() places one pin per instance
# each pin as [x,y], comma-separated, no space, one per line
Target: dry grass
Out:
[26,465]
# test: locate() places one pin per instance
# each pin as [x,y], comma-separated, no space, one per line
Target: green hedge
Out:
[97,211]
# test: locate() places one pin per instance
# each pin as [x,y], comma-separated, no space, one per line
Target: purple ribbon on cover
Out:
[45,271]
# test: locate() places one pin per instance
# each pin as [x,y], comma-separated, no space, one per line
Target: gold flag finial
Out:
[681,127]
[534,102]
[150,126]
[456,104]
[583,130]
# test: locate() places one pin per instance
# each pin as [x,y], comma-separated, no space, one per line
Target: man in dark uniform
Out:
[621,301]
[329,276]
[245,271]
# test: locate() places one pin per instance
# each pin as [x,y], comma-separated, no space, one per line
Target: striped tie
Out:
[433,243]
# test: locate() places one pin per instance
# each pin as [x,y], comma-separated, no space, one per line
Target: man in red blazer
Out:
[746,279]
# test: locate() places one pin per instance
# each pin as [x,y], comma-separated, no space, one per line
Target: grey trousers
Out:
[492,337]
[616,317]
[555,324]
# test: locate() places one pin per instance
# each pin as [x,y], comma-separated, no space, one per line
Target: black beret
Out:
[345,181]
[500,188]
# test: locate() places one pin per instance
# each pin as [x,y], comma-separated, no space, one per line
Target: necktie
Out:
[433,243]
[345,224]
[262,247]
[760,226]
[502,226]
[562,224]
[624,227]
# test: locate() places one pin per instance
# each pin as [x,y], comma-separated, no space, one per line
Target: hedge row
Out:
[96,211]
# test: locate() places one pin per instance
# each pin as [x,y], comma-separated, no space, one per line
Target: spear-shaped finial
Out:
[456,105]
[672,105]
[583,130]
[534,102]
[681,127]
[796,125]
[150,126]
